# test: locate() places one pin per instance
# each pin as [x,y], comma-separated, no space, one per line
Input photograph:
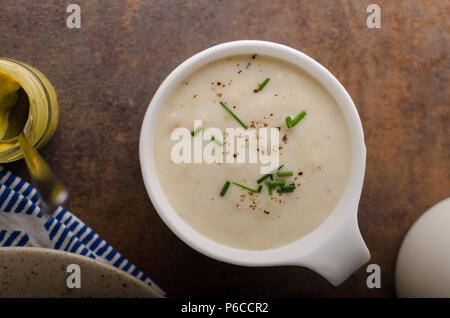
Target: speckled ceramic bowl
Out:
[39,272]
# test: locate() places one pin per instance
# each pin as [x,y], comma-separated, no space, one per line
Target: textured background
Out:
[106,73]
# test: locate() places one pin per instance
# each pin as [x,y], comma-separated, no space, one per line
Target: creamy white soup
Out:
[315,153]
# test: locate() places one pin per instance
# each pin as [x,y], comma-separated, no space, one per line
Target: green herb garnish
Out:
[286,188]
[232,114]
[275,183]
[249,189]
[288,122]
[213,138]
[270,190]
[263,84]
[292,122]
[225,188]
[272,184]
[264,177]
[277,169]
[196,131]
[285,174]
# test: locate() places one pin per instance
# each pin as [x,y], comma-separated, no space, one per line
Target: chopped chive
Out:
[288,187]
[263,84]
[275,183]
[270,190]
[232,114]
[285,174]
[225,188]
[285,190]
[249,189]
[292,122]
[213,138]
[288,122]
[196,131]
[269,175]
[298,118]
[263,178]
[277,169]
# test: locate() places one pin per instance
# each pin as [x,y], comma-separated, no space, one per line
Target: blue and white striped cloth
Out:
[23,223]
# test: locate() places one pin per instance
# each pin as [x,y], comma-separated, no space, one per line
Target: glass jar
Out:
[43,108]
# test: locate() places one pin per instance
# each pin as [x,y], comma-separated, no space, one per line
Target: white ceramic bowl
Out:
[335,249]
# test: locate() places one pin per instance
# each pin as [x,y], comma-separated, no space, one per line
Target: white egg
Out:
[423,263]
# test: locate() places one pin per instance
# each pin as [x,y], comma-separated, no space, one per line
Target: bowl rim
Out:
[290,253]
[69,256]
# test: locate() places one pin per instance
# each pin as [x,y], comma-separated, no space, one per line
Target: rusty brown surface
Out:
[106,73]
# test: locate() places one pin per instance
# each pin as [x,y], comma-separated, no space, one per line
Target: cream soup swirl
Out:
[317,150]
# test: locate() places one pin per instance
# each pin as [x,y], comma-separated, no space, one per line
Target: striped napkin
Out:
[23,223]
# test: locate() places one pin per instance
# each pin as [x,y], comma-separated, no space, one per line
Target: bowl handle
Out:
[340,255]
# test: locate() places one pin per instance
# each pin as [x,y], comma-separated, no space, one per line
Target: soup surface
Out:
[317,150]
